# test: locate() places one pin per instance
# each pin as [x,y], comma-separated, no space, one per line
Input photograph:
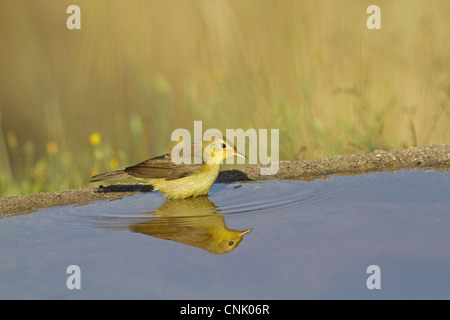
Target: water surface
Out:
[256,240]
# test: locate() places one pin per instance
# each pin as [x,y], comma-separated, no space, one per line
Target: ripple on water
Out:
[265,197]
[273,196]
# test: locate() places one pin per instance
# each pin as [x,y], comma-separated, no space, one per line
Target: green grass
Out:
[137,71]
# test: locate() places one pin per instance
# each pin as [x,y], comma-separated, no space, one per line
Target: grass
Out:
[77,102]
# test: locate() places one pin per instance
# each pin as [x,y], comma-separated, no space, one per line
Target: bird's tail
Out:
[114,175]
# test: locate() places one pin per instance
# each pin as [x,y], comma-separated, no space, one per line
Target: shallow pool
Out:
[269,239]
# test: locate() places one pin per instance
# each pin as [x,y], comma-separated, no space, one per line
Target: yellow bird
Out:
[195,222]
[179,181]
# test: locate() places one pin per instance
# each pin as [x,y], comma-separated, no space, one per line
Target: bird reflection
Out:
[196,222]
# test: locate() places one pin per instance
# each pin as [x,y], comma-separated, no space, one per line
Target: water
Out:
[256,240]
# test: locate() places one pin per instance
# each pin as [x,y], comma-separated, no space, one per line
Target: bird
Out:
[184,180]
[196,222]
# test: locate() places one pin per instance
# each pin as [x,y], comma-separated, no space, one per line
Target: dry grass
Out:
[139,69]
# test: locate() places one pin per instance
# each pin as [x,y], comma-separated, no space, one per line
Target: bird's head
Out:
[227,240]
[218,150]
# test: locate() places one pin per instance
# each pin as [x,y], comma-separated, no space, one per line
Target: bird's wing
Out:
[162,167]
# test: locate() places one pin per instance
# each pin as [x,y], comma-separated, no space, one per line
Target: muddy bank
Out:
[424,157]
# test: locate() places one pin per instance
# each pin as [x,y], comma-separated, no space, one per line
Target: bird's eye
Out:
[223,145]
[230,243]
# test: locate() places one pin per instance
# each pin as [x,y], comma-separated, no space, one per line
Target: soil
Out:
[436,157]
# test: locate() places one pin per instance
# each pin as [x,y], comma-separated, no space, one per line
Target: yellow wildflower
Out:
[93,171]
[52,147]
[95,138]
[113,163]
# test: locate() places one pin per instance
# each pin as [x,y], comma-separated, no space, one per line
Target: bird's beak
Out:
[240,155]
[243,233]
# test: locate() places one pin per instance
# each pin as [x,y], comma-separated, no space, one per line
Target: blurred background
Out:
[79,102]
